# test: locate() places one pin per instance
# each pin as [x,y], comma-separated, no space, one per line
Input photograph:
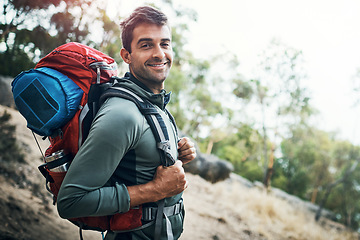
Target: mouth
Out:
[158,64]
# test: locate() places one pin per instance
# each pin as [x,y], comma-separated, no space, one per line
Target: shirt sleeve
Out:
[84,191]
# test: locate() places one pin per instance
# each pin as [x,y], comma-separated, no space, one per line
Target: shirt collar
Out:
[167,96]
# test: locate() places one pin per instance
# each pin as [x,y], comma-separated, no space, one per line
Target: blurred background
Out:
[273,87]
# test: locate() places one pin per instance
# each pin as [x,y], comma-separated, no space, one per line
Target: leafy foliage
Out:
[312,161]
[305,157]
[31,29]
[242,149]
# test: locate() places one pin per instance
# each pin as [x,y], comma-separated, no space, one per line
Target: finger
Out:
[185,143]
[182,142]
[188,158]
[178,163]
[160,169]
[188,151]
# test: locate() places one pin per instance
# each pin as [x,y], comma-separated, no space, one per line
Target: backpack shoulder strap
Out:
[151,115]
[160,132]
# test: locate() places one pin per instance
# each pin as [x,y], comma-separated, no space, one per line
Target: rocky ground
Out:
[225,210]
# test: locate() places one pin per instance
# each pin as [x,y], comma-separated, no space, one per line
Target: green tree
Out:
[31,29]
[283,101]
[342,194]
[19,25]
[306,161]
[242,148]
[193,103]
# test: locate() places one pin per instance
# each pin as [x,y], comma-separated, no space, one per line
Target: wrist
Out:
[144,193]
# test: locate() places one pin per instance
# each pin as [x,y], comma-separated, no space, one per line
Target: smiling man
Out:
[119,167]
[150,55]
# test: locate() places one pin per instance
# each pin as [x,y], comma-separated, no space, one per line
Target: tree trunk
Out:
[270,168]
[314,195]
[209,147]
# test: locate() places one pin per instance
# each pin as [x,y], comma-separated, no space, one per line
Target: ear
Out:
[125,55]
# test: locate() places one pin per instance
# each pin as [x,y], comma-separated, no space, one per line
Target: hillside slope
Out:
[225,210]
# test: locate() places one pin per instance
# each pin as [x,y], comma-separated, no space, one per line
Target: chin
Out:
[161,78]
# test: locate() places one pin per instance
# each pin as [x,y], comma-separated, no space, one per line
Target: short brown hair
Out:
[145,14]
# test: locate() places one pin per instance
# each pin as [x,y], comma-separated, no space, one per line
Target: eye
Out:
[166,44]
[145,45]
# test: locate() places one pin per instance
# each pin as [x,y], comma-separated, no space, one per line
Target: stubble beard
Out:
[151,76]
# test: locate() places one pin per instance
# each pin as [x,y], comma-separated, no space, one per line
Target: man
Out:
[118,167]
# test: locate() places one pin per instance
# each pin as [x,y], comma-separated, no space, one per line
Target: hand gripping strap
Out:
[158,127]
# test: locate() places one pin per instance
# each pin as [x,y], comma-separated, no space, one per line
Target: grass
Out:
[274,218]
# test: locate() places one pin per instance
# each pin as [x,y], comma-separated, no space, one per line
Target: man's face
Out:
[151,55]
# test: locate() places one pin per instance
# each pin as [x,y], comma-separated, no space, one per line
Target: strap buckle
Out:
[149,213]
[164,145]
[166,148]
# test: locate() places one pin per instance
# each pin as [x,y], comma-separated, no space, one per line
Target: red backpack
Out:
[59,100]
[40,88]
[88,68]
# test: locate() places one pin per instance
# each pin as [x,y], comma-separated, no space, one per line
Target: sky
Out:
[326,31]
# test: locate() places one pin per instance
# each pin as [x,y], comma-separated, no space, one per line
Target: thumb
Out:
[178,163]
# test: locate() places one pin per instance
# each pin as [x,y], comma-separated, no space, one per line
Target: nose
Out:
[158,52]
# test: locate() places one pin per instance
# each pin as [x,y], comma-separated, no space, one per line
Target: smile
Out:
[157,65]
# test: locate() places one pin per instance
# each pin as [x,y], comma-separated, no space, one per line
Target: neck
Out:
[157,90]
[154,87]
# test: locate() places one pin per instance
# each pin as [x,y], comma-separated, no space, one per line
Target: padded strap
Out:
[158,127]
[153,117]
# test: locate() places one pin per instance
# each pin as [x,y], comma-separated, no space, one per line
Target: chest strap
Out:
[149,213]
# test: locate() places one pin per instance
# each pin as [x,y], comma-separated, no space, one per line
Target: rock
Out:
[239,179]
[210,167]
[6,97]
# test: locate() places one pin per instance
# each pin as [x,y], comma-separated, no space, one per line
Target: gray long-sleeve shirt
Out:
[120,151]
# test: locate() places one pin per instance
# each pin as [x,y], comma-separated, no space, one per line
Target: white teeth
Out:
[157,65]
